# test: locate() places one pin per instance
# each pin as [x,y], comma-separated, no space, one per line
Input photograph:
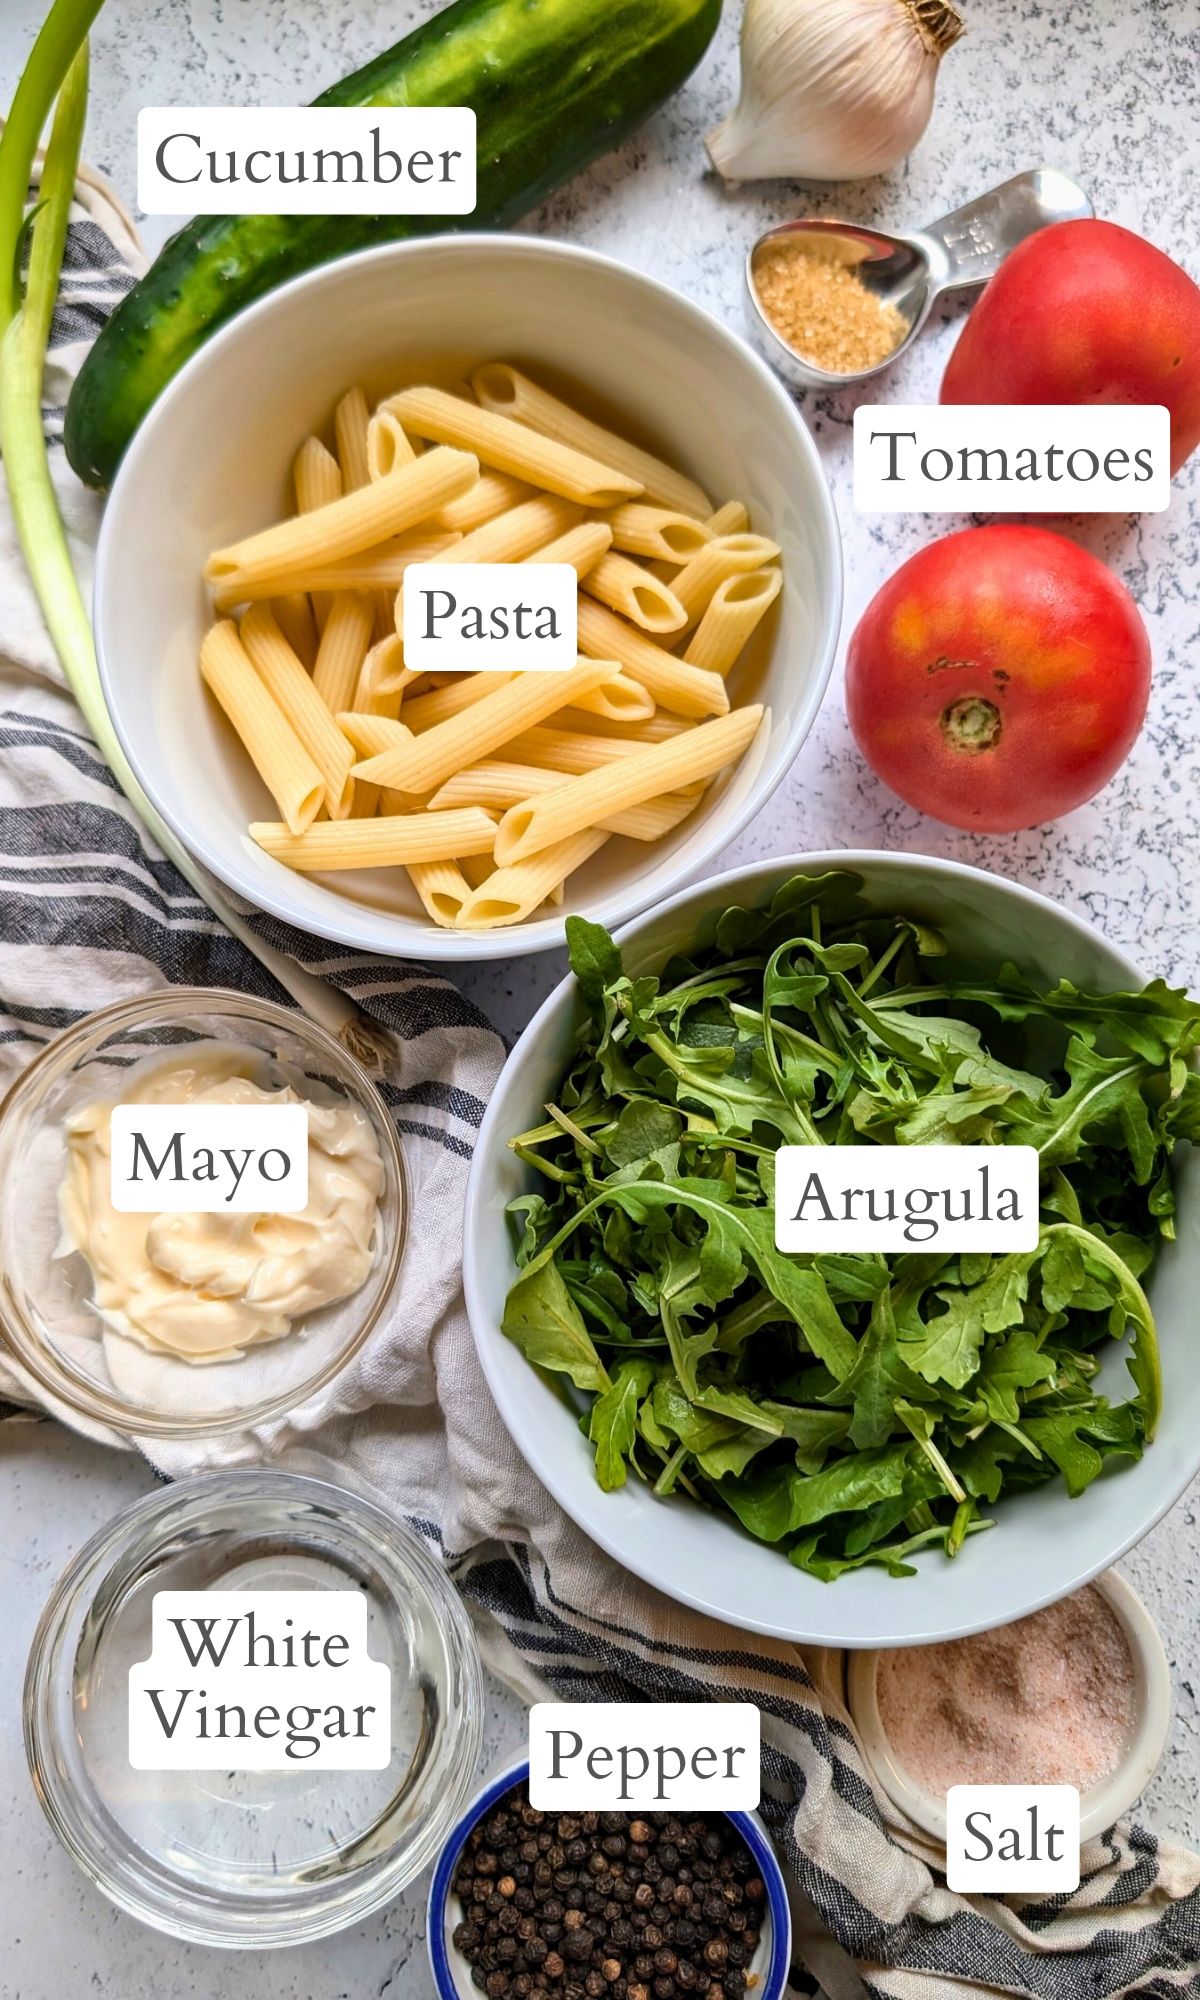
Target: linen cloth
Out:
[91,913]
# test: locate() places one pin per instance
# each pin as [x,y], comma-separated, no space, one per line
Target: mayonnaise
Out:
[206,1287]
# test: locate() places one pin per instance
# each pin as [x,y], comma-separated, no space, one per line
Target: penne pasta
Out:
[672,683]
[510,447]
[551,748]
[317,478]
[372,734]
[509,894]
[656,532]
[725,555]
[350,432]
[442,887]
[420,767]
[398,840]
[493,493]
[734,609]
[294,615]
[493,783]
[476,868]
[511,537]
[731,519]
[278,755]
[343,649]
[505,391]
[620,701]
[423,711]
[347,526]
[655,728]
[382,679]
[628,588]
[380,568]
[293,691]
[388,444]
[591,800]
[581,547]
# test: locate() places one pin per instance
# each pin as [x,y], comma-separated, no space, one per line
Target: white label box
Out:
[473,617]
[1012,458]
[209,1159]
[259,1680]
[1006,1839]
[262,159]
[657,1756]
[894,1198]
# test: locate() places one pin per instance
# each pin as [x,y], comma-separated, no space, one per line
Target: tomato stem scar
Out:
[971,724]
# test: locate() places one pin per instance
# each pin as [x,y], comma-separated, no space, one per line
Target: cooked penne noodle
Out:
[380,569]
[347,526]
[395,841]
[278,755]
[582,547]
[493,783]
[672,683]
[364,800]
[294,615]
[731,519]
[648,773]
[734,609]
[442,887]
[350,421]
[424,711]
[725,555]
[493,493]
[508,894]
[625,586]
[557,896]
[420,767]
[510,447]
[372,734]
[343,649]
[383,678]
[656,532]
[293,691]
[505,391]
[317,478]
[388,443]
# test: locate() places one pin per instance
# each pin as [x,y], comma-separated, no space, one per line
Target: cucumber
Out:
[553,83]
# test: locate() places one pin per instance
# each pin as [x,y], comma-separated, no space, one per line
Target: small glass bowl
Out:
[46,1307]
[254,1858]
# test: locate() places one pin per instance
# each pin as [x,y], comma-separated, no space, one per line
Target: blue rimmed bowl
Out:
[452,1975]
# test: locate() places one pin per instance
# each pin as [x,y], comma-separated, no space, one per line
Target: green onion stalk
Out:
[58,69]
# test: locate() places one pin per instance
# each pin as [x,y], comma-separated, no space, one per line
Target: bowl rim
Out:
[130,1887]
[636,1554]
[106,1407]
[361,928]
[748,1824]
[1101,1804]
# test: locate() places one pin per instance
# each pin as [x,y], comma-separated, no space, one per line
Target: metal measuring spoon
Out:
[958,253]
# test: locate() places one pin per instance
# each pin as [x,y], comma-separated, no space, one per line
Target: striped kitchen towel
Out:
[91,913]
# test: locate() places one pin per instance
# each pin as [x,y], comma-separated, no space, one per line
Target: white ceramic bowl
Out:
[212,462]
[1105,1802]
[1045,1544]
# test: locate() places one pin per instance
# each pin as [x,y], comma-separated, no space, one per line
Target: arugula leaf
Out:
[542,1318]
[595,959]
[779,1502]
[948,1349]
[612,1422]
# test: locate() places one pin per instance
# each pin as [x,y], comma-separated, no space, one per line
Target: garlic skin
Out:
[832,90]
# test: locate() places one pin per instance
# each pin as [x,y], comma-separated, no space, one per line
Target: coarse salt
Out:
[1049,1700]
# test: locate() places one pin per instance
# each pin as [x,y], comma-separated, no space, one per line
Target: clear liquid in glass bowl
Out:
[251,1858]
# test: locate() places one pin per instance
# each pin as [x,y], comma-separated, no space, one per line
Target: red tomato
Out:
[999,678]
[1085,312]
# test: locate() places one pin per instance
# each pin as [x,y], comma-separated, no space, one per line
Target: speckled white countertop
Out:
[1102,88]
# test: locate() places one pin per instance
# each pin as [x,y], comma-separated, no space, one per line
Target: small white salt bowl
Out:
[1100,1806]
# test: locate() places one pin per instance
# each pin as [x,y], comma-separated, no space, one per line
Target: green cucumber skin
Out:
[553,83]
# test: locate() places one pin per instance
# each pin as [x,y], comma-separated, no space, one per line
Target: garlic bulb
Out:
[832,90]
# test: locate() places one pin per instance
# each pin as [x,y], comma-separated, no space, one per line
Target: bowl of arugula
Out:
[847,1450]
